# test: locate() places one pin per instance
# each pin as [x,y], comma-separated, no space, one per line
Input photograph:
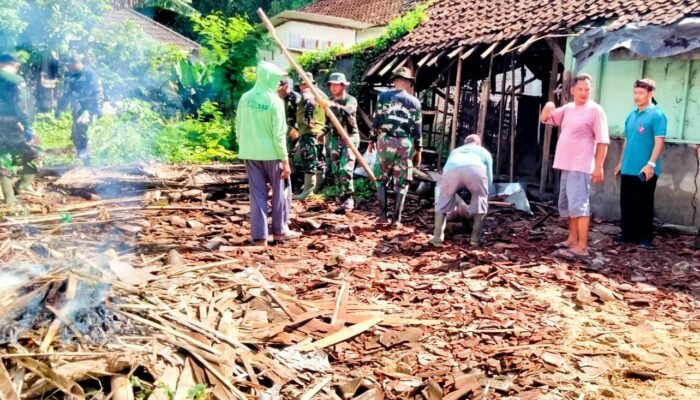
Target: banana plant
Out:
[194,84]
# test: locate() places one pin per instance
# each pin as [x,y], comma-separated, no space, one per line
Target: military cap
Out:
[8,58]
[404,73]
[287,81]
[311,77]
[338,77]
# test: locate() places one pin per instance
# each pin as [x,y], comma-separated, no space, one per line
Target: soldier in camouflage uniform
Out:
[311,122]
[291,102]
[397,134]
[342,159]
[83,92]
[16,135]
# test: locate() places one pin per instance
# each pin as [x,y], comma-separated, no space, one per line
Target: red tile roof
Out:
[153,29]
[378,12]
[453,23]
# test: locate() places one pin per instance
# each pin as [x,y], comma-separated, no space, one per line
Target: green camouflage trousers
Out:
[311,155]
[394,161]
[14,150]
[342,163]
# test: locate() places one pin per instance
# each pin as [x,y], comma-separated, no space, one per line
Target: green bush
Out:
[139,134]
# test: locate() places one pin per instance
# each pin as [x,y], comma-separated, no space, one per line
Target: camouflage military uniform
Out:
[398,129]
[291,103]
[16,135]
[311,121]
[83,93]
[342,159]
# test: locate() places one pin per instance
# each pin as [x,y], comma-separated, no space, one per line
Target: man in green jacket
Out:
[261,130]
[16,135]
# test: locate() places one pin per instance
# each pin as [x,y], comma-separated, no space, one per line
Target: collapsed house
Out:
[488,67]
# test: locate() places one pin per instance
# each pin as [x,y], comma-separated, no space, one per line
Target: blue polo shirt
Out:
[641,129]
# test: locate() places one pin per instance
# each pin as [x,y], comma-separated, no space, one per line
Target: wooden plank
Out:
[469,53]
[528,43]
[317,388]
[455,52]
[512,119]
[425,59]
[341,306]
[436,58]
[7,389]
[501,115]
[71,287]
[443,129]
[508,46]
[489,50]
[342,335]
[401,64]
[455,114]
[544,170]
[377,64]
[387,67]
[484,101]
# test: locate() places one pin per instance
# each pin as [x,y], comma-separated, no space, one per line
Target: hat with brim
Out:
[338,78]
[311,78]
[403,73]
[8,58]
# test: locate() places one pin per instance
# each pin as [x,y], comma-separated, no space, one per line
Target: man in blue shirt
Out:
[640,165]
[469,166]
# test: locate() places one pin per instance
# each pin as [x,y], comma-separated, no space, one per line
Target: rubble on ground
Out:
[141,279]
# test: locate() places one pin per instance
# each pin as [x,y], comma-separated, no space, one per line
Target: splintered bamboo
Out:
[317,95]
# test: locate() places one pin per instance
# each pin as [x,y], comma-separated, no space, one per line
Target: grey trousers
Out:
[260,174]
[471,177]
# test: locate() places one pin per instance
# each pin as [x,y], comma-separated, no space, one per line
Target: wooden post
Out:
[501,116]
[484,102]
[455,114]
[544,171]
[445,110]
[512,118]
[317,95]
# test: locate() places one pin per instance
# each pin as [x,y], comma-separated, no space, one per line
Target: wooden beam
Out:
[508,46]
[455,114]
[443,131]
[528,43]
[501,114]
[512,118]
[437,57]
[558,52]
[484,102]
[388,67]
[377,64]
[401,64]
[469,52]
[544,171]
[455,52]
[489,50]
[425,59]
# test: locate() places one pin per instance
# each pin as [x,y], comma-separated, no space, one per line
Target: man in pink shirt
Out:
[581,150]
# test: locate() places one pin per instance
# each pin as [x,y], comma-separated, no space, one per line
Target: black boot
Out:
[381,197]
[399,199]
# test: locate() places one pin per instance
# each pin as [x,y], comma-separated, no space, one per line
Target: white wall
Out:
[307,36]
[370,33]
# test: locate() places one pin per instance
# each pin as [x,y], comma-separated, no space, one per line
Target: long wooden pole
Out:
[317,95]
[484,102]
[501,113]
[445,110]
[455,114]
[544,172]
[512,118]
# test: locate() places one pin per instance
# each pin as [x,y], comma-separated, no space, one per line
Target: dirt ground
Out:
[506,320]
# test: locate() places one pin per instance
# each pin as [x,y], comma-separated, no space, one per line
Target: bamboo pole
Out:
[317,95]
[484,102]
[455,114]
[501,115]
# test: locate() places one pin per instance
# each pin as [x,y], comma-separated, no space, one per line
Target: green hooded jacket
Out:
[261,124]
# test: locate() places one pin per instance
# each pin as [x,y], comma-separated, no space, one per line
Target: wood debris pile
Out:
[181,301]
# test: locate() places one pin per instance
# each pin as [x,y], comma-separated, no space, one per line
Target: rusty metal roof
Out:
[453,23]
[377,12]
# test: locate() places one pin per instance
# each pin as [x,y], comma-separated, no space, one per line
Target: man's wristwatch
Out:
[652,164]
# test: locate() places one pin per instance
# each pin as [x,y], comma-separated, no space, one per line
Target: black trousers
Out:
[637,208]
